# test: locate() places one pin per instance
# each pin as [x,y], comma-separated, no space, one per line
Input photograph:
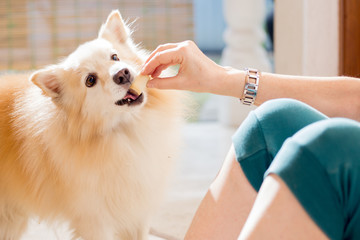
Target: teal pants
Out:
[317,157]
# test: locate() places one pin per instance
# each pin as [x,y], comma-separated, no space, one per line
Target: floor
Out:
[205,146]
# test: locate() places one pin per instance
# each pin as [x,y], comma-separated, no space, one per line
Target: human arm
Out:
[334,96]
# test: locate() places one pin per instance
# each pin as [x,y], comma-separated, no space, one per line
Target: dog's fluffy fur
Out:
[68,152]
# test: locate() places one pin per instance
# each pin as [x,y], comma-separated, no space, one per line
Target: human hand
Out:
[197,72]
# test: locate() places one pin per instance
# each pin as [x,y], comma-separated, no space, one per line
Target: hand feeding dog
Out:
[78,144]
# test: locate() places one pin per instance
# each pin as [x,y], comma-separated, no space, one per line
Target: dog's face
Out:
[92,83]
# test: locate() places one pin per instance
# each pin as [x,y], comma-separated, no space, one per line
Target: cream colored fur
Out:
[67,152]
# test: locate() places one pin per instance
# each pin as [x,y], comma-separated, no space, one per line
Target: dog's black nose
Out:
[123,76]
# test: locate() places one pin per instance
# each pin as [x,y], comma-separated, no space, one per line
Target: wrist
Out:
[232,82]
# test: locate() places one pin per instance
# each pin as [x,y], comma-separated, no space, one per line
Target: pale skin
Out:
[232,209]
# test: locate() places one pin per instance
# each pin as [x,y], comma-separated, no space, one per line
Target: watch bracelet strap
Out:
[251,86]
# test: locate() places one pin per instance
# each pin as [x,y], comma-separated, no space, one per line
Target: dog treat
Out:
[139,83]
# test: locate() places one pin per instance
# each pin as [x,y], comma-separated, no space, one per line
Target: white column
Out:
[244,38]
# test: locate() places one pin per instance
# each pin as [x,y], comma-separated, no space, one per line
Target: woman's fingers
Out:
[166,83]
[161,48]
[159,70]
[167,57]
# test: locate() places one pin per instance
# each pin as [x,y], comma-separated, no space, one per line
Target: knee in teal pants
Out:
[317,157]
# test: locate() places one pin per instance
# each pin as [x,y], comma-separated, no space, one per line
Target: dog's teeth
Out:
[125,101]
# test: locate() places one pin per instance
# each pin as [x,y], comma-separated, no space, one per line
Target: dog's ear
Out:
[48,81]
[114,28]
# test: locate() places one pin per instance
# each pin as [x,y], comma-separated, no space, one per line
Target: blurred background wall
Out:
[38,32]
[209,25]
[307,40]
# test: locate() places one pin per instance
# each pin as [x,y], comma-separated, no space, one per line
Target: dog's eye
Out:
[115,57]
[90,80]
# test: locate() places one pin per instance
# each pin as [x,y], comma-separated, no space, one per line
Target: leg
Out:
[312,190]
[230,198]
[226,205]
[262,134]
[278,215]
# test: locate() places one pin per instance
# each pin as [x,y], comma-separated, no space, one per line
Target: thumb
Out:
[165,83]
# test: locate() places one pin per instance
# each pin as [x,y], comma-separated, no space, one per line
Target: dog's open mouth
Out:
[131,98]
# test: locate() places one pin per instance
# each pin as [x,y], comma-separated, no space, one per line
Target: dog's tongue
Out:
[130,94]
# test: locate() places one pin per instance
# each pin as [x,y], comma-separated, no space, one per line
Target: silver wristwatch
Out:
[251,86]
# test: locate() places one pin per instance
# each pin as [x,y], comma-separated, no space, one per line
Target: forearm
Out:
[334,96]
